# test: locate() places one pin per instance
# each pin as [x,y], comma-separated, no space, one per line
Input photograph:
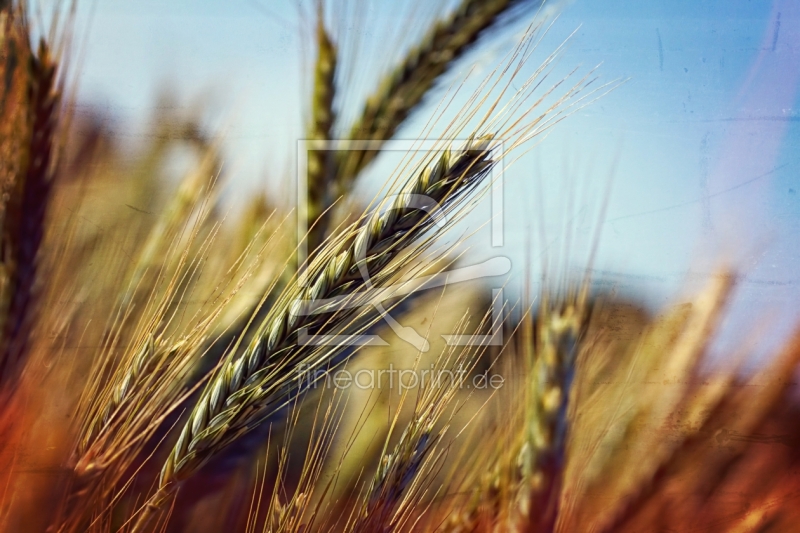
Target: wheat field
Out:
[206,369]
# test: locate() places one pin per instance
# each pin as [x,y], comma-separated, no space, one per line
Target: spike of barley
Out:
[274,346]
[522,486]
[146,360]
[404,87]
[559,330]
[14,133]
[397,472]
[43,101]
[252,383]
[319,161]
[404,474]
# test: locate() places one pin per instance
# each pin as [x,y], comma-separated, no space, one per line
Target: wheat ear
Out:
[253,385]
[517,485]
[407,83]
[249,385]
[43,98]
[148,355]
[397,471]
[558,332]
[14,125]
[404,474]
[14,136]
[319,171]
[244,386]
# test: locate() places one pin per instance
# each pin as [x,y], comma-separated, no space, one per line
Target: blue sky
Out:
[701,143]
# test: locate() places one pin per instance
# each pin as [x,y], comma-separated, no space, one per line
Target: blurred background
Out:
[696,152]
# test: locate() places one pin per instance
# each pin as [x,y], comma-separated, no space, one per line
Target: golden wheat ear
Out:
[29,194]
[620,422]
[724,450]
[14,132]
[404,486]
[518,485]
[254,385]
[255,382]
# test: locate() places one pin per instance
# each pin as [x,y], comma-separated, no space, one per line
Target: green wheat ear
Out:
[403,89]
[320,171]
[252,384]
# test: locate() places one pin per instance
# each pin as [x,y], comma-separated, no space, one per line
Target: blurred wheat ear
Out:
[30,122]
[404,485]
[320,172]
[519,484]
[155,343]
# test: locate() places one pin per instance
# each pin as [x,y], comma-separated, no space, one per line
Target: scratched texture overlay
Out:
[596,330]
